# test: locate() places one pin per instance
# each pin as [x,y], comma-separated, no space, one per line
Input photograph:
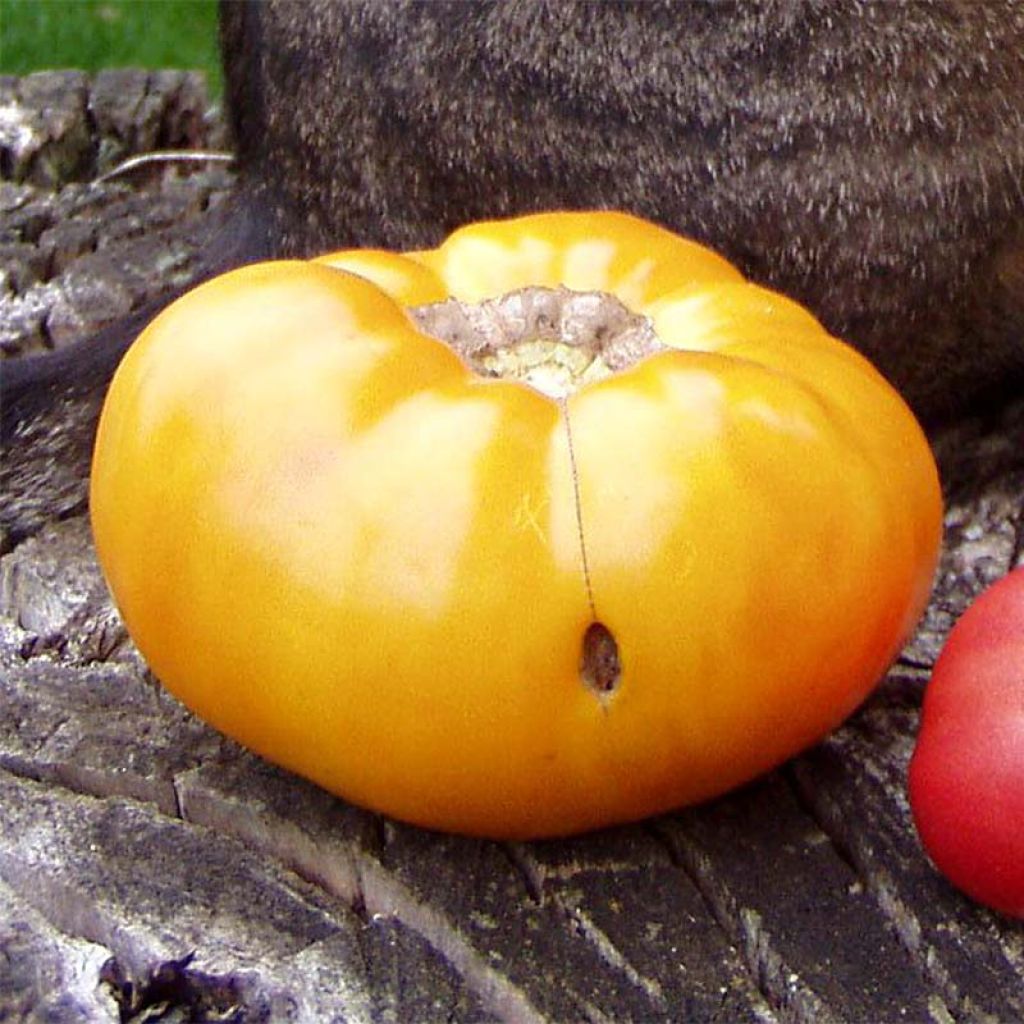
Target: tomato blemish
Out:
[600,664]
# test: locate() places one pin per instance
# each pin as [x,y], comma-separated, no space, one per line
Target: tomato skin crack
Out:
[600,663]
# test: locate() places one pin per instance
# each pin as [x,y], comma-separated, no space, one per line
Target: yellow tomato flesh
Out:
[337,544]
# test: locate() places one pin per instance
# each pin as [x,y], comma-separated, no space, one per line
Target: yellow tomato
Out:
[472,606]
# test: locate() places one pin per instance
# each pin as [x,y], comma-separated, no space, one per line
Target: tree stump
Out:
[151,869]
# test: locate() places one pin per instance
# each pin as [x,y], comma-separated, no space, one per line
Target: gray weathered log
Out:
[150,869]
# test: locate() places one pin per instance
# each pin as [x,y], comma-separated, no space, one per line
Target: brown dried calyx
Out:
[554,339]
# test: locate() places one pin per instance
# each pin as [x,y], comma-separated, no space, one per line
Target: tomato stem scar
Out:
[553,339]
[600,665]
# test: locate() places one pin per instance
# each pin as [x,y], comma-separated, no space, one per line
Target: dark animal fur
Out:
[867,159]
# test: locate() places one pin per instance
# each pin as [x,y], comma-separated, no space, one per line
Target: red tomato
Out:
[967,773]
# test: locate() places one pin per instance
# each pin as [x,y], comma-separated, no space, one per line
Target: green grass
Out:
[94,34]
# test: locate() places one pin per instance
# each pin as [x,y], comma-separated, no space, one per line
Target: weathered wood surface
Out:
[152,870]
